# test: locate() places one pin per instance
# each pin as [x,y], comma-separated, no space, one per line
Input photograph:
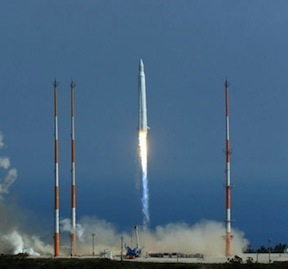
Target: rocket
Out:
[142,99]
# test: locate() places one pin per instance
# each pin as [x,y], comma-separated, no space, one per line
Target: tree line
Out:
[278,248]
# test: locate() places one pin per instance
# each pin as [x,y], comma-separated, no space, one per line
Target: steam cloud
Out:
[11,174]
[206,237]
[8,181]
[12,238]
[4,162]
[1,141]
[16,243]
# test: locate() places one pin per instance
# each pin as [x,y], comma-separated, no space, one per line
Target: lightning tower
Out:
[56,171]
[228,236]
[73,181]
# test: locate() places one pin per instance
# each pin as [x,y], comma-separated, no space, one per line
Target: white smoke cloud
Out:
[1,141]
[12,238]
[11,174]
[65,226]
[205,237]
[15,238]
[4,162]
[105,235]
[16,243]
[35,246]
[13,242]
[8,181]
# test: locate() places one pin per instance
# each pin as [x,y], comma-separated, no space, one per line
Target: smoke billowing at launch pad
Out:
[73,237]
[203,237]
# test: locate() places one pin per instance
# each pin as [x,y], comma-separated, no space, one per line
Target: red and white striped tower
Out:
[228,183]
[56,171]
[73,189]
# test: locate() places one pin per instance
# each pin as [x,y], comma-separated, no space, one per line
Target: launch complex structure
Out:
[143,130]
[56,171]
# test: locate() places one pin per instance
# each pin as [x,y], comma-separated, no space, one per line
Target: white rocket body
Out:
[142,99]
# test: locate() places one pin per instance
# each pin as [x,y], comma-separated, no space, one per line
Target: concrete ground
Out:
[254,257]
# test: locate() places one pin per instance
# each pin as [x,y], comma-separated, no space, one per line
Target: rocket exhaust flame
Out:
[145,191]
[143,148]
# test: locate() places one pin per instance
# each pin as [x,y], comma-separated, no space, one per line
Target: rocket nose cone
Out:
[141,66]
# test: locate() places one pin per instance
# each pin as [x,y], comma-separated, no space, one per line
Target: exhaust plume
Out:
[145,191]
[143,148]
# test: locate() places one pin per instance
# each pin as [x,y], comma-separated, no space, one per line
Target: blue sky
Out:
[188,48]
